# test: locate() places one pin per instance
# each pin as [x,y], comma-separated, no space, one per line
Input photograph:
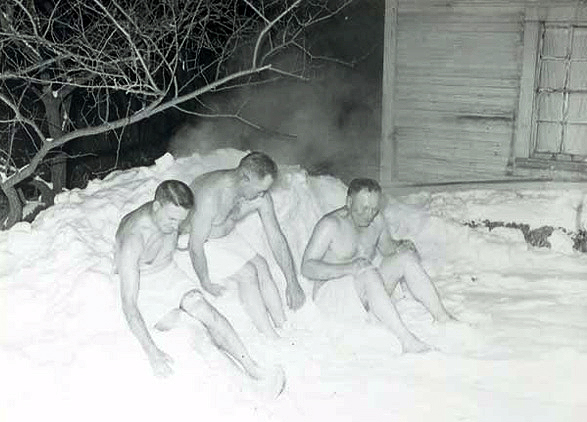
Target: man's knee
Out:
[260,263]
[249,273]
[368,281]
[402,259]
[194,303]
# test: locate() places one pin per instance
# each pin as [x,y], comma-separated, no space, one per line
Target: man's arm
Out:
[128,268]
[295,296]
[386,245]
[201,225]
[313,264]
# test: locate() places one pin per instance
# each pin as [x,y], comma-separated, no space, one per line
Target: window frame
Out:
[525,136]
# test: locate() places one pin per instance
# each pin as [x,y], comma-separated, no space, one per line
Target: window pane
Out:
[580,43]
[576,140]
[578,75]
[552,74]
[577,108]
[548,137]
[550,106]
[555,42]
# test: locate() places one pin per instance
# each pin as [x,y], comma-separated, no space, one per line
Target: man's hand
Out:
[294,295]
[360,264]
[161,363]
[214,289]
[406,245]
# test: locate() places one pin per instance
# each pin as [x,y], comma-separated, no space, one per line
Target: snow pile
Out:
[65,349]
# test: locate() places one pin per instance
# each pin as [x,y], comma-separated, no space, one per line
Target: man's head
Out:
[173,201]
[258,172]
[363,201]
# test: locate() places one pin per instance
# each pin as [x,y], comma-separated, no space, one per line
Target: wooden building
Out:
[478,90]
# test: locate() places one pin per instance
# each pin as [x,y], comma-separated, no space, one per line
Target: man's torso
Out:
[349,242]
[157,247]
[229,209]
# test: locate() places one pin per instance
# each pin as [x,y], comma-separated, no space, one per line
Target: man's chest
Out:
[355,243]
[228,213]
[158,247]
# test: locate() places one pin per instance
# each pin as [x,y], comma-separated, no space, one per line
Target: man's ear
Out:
[268,177]
[156,205]
[245,177]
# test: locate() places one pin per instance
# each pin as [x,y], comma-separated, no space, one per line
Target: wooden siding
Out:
[457,88]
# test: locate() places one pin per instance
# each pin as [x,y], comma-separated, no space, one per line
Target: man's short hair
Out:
[359,184]
[175,192]
[260,164]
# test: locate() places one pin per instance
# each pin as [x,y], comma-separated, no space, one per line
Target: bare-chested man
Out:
[155,292]
[224,197]
[354,241]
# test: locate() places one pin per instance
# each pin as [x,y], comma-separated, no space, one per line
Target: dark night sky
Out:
[335,117]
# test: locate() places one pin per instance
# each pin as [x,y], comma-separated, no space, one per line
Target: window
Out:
[559,118]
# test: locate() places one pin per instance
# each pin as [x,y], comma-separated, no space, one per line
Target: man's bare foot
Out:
[414,345]
[271,382]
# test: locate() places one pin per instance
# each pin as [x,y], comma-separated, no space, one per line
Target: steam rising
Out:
[329,126]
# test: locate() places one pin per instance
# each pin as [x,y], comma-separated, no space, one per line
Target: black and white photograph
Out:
[293,210]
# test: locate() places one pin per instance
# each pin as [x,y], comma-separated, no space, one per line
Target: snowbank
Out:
[66,352]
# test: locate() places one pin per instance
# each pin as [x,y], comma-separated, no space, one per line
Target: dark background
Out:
[329,124]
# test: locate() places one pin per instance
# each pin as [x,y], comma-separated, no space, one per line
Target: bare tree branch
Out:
[19,117]
[78,68]
[268,28]
[238,117]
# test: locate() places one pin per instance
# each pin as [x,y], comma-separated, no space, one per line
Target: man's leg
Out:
[252,299]
[374,297]
[269,291]
[407,265]
[221,332]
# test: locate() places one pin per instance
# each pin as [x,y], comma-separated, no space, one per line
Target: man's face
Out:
[364,206]
[254,186]
[169,216]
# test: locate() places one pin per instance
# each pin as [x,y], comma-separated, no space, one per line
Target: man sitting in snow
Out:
[155,292]
[218,252]
[352,245]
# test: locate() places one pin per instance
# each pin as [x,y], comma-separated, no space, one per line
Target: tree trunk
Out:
[47,198]
[58,172]
[54,103]
[14,207]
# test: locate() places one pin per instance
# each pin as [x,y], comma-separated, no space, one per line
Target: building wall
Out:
[458,68]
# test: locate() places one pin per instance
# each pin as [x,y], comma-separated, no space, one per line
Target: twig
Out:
[131,43]
[267,28]
[240,119]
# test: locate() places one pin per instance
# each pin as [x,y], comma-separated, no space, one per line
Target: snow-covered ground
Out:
[66,352]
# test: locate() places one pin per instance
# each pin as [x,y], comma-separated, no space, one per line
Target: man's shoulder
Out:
[380,220]
[379,224]
[135,224]
[333,218]
[211,187]
[215,179]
